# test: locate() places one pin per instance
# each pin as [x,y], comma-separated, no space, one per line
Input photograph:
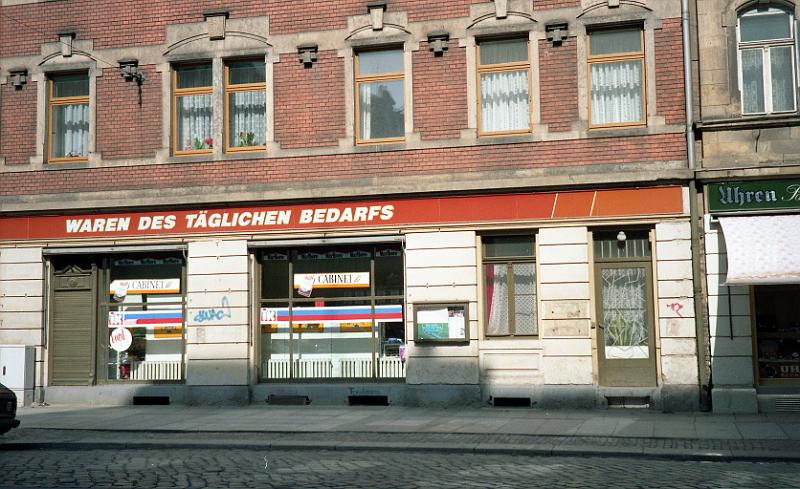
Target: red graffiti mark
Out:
[676,307]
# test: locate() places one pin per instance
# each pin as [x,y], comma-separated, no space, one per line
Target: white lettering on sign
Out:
[204,219]
[98,225]
[347,214]
[157,223]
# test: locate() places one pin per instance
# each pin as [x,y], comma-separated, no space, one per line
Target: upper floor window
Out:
[68,118]
[193,109]
[616,77]
[379,100]
[767,61]
[245,106]
[510,285]
[503,68]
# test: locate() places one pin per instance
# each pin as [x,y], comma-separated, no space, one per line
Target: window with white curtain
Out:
[246,105]
[616,77]
[510,285]
[503,69]
[193,109]
[380,112]
[767,63]
[69,118]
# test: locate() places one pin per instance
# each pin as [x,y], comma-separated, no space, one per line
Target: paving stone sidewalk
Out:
[700,436]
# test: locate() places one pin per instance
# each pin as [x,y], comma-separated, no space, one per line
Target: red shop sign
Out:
[368,213]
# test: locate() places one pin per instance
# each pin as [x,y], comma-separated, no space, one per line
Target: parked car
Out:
[8,409]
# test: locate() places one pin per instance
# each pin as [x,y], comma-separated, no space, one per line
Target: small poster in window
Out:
[306,285]
[441,323]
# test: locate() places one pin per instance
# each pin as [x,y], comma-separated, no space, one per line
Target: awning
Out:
[762,249]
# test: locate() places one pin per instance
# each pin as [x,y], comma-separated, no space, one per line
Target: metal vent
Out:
[788,405]
[368,400]
[628,402]
[511,402]
[150,400]
[288,400]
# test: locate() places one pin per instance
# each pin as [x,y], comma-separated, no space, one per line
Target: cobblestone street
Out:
[185,460]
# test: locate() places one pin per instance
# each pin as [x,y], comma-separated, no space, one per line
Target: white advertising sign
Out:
[121,288]
[306,282]
[120,339]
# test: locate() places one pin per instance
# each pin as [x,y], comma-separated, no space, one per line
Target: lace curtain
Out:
[497,299]
[617,90]
[70,130]
[194,122]
[248,119]
[504,101]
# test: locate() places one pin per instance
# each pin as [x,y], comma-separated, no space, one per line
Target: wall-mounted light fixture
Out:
[129,69]
[621,237]
[307,53]
[557,31]
[437,40]
[18,78]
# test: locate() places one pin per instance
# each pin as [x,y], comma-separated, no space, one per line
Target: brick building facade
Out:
[420,203]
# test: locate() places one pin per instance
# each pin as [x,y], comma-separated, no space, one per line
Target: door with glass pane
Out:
[625,325]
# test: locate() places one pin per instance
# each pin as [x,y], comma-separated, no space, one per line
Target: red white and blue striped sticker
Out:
[333,314]
[145,318]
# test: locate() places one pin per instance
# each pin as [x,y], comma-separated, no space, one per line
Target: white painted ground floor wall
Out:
[557,368]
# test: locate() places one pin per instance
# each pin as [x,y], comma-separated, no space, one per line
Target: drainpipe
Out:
[698,274]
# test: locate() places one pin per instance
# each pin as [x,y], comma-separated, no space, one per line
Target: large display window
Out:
[777,335]
[142,318]
[332,313]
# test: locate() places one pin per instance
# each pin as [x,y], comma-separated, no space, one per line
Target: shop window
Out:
[510,285]
[616,77]
[245,106]
[777,333]
[332,313]
[767,64]
[503,73]
[380,100]
[193,131]
[142,313]
[68,118]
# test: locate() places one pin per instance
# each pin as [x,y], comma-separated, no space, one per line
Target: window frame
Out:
[499,68]
[52,102]
[389,76]
[509,261]
[240,87]
[181,92]
[611,58]
[766,57]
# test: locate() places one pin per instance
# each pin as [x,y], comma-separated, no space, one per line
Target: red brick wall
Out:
[558,84]
[18,123]
[440,92]
[309,102]
[116,23]
[546,4]
[348,166]
[126,129]
[669,72]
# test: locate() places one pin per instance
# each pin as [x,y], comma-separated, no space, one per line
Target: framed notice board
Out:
[441,322]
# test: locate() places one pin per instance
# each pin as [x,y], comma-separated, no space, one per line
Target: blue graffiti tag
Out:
[214,314]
